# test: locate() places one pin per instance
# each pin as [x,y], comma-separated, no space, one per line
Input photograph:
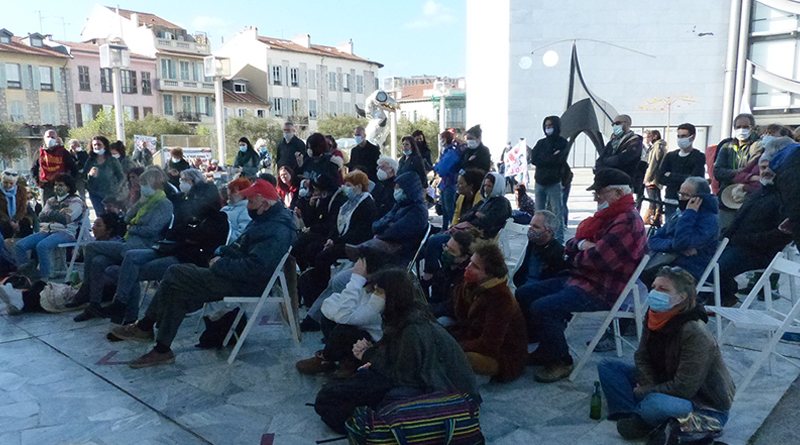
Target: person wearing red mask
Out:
[489,323]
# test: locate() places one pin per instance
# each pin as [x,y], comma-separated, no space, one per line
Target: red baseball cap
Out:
[263,188]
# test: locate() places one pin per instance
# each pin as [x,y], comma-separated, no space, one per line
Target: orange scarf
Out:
[657,320]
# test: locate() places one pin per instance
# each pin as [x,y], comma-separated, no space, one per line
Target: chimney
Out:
[303,40]
[135,19]
[346,47]
[252,30]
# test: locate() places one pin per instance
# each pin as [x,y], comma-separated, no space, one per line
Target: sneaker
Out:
[633,428]
[309,325]
[93,311]
[153,358]
[131,332]
[791,338]
[315,365]
[553,372]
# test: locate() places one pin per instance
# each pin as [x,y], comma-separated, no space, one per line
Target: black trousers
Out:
[339,340]
[337,400]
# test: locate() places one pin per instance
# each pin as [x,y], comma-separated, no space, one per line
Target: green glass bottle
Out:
[597,403]
[75,279]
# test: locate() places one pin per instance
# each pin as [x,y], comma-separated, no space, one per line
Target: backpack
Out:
[438,418]
[216,330]
[690,429]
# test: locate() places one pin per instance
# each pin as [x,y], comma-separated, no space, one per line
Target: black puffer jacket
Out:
[755,226]
[549,155]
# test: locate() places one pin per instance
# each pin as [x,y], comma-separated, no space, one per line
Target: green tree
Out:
[11,145]
[428,127]
[341,126]
[155,126]
[253,128]
[101,125]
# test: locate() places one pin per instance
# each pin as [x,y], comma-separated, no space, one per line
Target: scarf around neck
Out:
[589,228]
[347,210]
[146,206]
[11,198]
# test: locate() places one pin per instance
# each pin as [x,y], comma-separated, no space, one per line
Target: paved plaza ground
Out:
[63,383]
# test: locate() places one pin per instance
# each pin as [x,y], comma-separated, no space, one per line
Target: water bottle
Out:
[75,279]
[597,403]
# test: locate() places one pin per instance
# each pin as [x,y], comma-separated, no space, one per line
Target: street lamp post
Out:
[218,68]
[442,90]
[115,55]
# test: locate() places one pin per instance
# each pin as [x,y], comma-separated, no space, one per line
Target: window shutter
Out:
[25,76]
[78,115]
[269,74]
[57,79]
[37,85]
[3,75]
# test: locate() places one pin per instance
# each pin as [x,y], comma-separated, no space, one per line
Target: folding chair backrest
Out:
[518,264]
[85,230]
[419,249]
[710,268]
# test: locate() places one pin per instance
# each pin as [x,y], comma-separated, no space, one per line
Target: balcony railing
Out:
[172,84]
[189,117]
[179,45]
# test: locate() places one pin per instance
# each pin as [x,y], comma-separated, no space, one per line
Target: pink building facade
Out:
[92,89]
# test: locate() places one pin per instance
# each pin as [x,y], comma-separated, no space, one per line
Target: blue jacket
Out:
[407,221]
[448,167]
[250,261]
[690,230]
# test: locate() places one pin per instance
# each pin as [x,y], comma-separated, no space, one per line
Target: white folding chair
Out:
[704,286]
[517,264]
[419,249]
[513,259]
[286,299]
[772,321]
[84,237]
[614,315]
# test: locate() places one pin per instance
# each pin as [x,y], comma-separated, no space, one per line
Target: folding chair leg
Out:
[240,341]
[759,362]
[589,349]
[72,263]
[617,337]
[290,312]
[200,318]
[717,300]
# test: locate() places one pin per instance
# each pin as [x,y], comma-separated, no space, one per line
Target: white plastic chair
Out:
[704,286]
[84,237]
[286,299]
[772,321]
[614,315]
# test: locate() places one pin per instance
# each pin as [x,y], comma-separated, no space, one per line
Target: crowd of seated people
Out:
[354,231]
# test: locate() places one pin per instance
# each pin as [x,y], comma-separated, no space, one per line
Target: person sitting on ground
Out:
[287,187]
[147,220]
[689,238]
[679,368]
[348,316]
[604,254]
[411,161]
[544,255]
[15,222]
[109,227]
[194,242]
[525,205]
[455,258]
[384,188]
[489,325]
[60,222]
[755,235]
[243,268]
[353,226]
[238,217]
[415,356]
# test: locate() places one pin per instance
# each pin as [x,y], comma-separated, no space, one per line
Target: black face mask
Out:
[682,204]
[253,213]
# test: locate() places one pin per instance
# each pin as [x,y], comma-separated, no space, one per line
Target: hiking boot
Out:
[153,358]
[633,428]
[315,365]
[132,332]
[553,372]
[93,311]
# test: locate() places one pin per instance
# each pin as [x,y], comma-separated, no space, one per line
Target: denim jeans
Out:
[564,198]
[97,203]
[139,265]
[432,252]
[548,305]
[448,196]
[97,257]
[551,195]
[45,244]
[733,261]
[618,380]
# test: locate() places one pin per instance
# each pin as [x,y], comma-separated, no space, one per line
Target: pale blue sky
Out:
[409,37]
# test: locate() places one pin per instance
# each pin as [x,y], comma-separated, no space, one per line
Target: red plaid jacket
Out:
[605,269]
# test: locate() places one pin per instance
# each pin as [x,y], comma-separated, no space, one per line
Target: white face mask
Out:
[100,152]
[602,205]
[548,131]
[472,144]
[50,142]
[287,136]
[176,160]
[684,143]
[185,187]
[359,139]
[310,153]
[116,156]
[303,193]
[742,133]
[407,152]
[382,175]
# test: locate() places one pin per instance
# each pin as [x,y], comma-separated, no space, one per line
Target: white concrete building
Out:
[510,90]
[420,99]
[301,81]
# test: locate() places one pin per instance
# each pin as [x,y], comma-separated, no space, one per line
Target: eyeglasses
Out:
[684,136]
[685,195]
[13,174]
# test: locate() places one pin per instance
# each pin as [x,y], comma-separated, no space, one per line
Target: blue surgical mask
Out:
[767,139]
[407,152]
[349,191]
[618,130]
[659,301]
[243,148]
[359,139]
[399,195]
[602,206]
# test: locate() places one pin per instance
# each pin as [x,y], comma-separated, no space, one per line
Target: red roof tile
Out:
[319,50]
[145,18]
[229,96]
[415,92]
[16,46]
